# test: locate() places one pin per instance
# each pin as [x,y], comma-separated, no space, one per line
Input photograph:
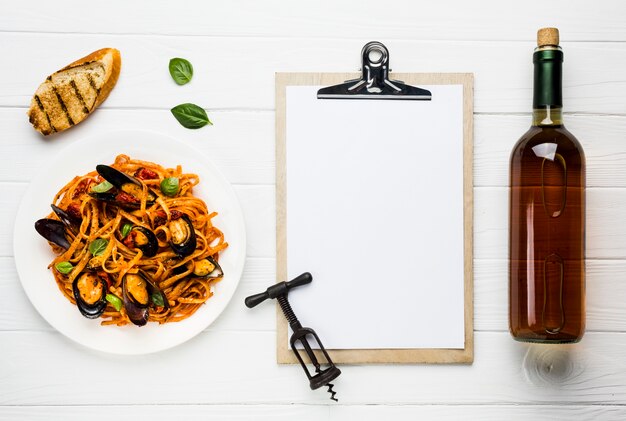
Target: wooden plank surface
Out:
[319,412]
[238,143]
[492,19]
[228,372]
[503,73]
[203,371]
[606,231]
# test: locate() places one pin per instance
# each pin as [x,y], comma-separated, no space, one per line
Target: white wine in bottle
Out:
[547,214]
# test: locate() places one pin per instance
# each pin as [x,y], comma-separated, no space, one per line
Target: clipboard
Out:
[374,83]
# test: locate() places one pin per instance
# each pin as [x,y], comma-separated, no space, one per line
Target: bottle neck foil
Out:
[548,75]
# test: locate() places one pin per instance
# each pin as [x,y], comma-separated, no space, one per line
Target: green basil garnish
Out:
[157,299]
[191,116]
[97,246]
[126,229]
[103,187]
[181,70]
[115,301]
[169,186]
[64,267]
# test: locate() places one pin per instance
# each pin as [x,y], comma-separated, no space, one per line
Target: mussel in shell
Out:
[183,236]
[145,240]
[69,220]
[128,191]
[139,293]
[53,231]
[207,268]
[90,293]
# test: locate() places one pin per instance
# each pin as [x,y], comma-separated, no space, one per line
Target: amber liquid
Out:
[547,237]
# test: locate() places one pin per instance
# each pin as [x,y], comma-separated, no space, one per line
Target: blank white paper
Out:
[375,213]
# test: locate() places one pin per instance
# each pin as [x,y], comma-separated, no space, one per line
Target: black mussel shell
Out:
[89,283]
[122,196]
[179,269]
[136,298]
[149,245]
[207,268]
[53,231]
[70,222]
[112,197]
[138,290]
[121,199]
[183,236]
[115,177]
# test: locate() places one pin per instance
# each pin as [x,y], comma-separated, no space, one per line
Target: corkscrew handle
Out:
[278,290]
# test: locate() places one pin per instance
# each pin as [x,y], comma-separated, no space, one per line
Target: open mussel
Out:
[139,294]
[143,239]
[207,268]
[53,231]
[183,235]
[70,220]
[127,192]
[136,298]
[90,292]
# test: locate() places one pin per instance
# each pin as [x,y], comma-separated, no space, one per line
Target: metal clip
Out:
[374,82]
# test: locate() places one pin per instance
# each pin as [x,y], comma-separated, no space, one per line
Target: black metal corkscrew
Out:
[322,376]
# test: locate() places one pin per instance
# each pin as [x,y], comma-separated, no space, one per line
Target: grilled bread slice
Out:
[70,95]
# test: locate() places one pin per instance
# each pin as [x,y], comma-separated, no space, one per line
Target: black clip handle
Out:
[374,82]
[278,290]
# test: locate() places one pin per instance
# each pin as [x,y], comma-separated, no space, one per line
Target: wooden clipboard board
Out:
[421,355]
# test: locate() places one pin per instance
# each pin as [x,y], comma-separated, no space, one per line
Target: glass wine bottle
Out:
[547,214]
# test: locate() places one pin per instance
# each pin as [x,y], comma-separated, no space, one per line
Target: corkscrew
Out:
[301,335]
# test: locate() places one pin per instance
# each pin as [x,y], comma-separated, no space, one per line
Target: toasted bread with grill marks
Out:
[70,95]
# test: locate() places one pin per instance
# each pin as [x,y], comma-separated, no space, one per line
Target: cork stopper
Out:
[547,36]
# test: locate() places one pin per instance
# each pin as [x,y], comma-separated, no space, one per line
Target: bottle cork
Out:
[547,36]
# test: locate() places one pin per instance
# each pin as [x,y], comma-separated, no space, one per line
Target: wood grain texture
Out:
[228,372]
[579,20]
[503,72]
[320,412]
[504,372]
[602,138]
[240,143]
[605,230]
[605,294]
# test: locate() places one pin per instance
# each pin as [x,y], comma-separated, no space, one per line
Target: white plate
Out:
[33,254]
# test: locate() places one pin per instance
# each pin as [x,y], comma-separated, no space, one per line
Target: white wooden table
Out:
[229,370]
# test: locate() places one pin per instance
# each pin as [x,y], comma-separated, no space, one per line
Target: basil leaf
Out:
[126,229]
[105,186]
[157,299]
[181,70]
[97,246]
[64,267]
[191,116]
[115,301]
[169,186]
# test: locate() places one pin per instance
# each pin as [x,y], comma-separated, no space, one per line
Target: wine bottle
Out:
[547,214]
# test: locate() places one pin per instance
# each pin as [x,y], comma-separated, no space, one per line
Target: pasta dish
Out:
[133,244]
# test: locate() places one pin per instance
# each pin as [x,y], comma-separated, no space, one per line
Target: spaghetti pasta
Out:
[135,240]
